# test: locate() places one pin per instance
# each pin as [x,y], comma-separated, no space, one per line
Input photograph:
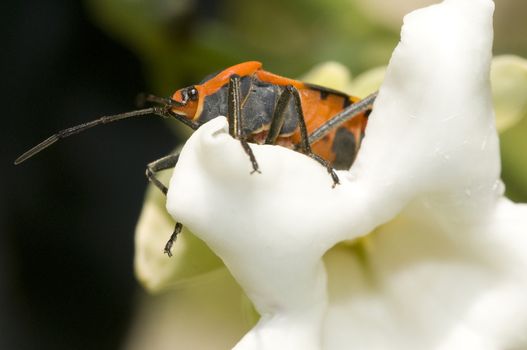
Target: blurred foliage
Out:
[509,76]
[181,41]
[514,161]
[509,84]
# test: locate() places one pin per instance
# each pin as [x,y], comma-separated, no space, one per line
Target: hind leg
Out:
[277,122]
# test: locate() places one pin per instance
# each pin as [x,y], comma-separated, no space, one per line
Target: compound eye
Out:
[192,94]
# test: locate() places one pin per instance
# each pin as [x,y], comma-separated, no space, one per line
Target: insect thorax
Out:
[258,104]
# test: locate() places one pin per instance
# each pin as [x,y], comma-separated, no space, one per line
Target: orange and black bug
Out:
[261,107]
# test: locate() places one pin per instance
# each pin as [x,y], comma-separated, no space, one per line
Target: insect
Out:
[261,107]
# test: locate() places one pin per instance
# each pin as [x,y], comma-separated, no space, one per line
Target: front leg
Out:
[152,168]
[164,163]
[172,239]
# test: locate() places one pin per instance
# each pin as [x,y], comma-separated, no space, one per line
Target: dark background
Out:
[67,216]
[68,219]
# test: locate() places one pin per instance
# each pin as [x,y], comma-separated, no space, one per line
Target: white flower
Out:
[434,256]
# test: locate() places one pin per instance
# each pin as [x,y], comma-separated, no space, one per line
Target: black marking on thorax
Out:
[258,104]
[214,105]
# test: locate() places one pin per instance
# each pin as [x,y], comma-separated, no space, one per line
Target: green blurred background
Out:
[66,247]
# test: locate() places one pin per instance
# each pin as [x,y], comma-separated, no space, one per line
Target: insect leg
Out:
[305,146]
[173,237]
[278,118]
[342,117]
[164,163]
[234,116]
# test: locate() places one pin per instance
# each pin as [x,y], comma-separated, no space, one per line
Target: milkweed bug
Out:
[261,107]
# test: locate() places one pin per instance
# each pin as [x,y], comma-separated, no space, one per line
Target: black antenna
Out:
[160,111]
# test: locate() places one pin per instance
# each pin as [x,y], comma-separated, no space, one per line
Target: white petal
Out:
[430,155]
[433,113]
[268,228]
[421,283]
[508,80]
[449,271]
